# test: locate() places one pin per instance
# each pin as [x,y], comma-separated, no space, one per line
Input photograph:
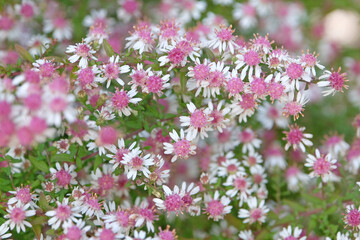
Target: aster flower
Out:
[117,152]
[108,233]
[16,217]
[182,146]
[60,27]
[155,83]
[245,14]
[121,99]
[141,235]
[82,51]
[295,178]
[297,138]
[190,204]
[246,235]
[271,114]
[168,33]
[248,139]
[63,213]
[309,61]
[249,61]
[244,107]
[134,162]
[322,166]
[288,233]
[144,213]
[256,213]
[198,122]
[223,39]
[240,186]
[103,181]
[89,205]
[141,39]
[333,81]
[111,71]
[173,200]
[294,107]
[352,217]
[215,207]
[294,73]
[78,229]
[64,176]
[23,196]
[119,220]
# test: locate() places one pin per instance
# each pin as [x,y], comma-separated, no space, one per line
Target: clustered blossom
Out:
[128,132]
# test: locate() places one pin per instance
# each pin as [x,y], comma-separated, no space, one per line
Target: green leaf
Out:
[294,205]
[39,164]
[24,54]
[97,162]
[108,49]
[43,203]
[209,54]
[62,157]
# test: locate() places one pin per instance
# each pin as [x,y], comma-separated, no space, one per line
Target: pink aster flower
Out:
[155,83]
[90,205]
[134,162]
[294,73]
[138,235]
[141,39]
[336,145]
[271,114]
[352,217]
[45,67]
[249,141]
[294,107]
[103,181]
[76,231]
[111,71]
[198,122]
[64,176]
[168,33]
[244,107]
[309,61]
[199,75]
[59,26]
[121,99]
[173,200]
[182,146]
[234,85]
[166,234]
[17,215]
[88,77]
[108,234]
[117,152]
[296,137]
[139,76]
[217,208]
[63,213]
[223,39]
[144,214]
[249,62]
[333,81]
[295,178]
[256,213]
[82,51]
[23,196]
[129,9]
[289,234]
[322,166]
[240,186]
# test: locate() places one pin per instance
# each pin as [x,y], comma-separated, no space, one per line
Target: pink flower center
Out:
[217,116]
[33,101]
[46,69]
[27,10]
[225,34]
[215,208]
[235,85]
[276,90]
[248,101]
[24,195]
[83,50]
[182,148]
[106,182]
[173,202]
[123,218]
[321,166]
[108,135]
[166,235]
[17,215]
[79,128]
[119,156]
[336,81]
[93,203]
[86,76]
[291,171]
[232,168]
[120,99]
[295,136]
[187,200]
[216,79]
[201,72]
[252,58]
[74,233]
[137,163]
[294,71]
[293,108]
[353,218]
[63,178]
[107,234]
[176,55]
[63,212]
[147,213]
[240,183]
[154,84]
[139,77]
[59,22]
[198,119]
[257,178]
[145,35]
[111,71]
[309,60]
[258,86]
[246,136]
[130,6]
[224,136]
[255,214]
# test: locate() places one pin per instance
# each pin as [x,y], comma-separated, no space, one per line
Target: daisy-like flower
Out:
[288,233]
[249,141]
[271,114]
[16,217]
[199,75]
[117,152]
[229,167]
[240,187]
[121,99]
[294,107]
[274,157]
[295,178]
[89,205]
[219,73]
[111,71]
[64,176]
[252,159]
[333,81]
[296,137]
[198,122]
[139,76]
[219,121]
[223,39]
[60,27]
[294,73]
[88,77]
[352,217]
[245,107]
[215,207]
[141,39]
[336,145]
[134,162]
[4,228]
[256,213]
[190,203]
[182,146]
[245,14]
[103,180]
[155,83]
[82,51]
[76,230]
[168,33]
[23,196]
[165,234]
[322,166]
[309,61]
[246,235]
[144,213]
[173,200]
[108,234]
[249,62]
[129,9]
[119,220]
[45,67]
[63,213]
